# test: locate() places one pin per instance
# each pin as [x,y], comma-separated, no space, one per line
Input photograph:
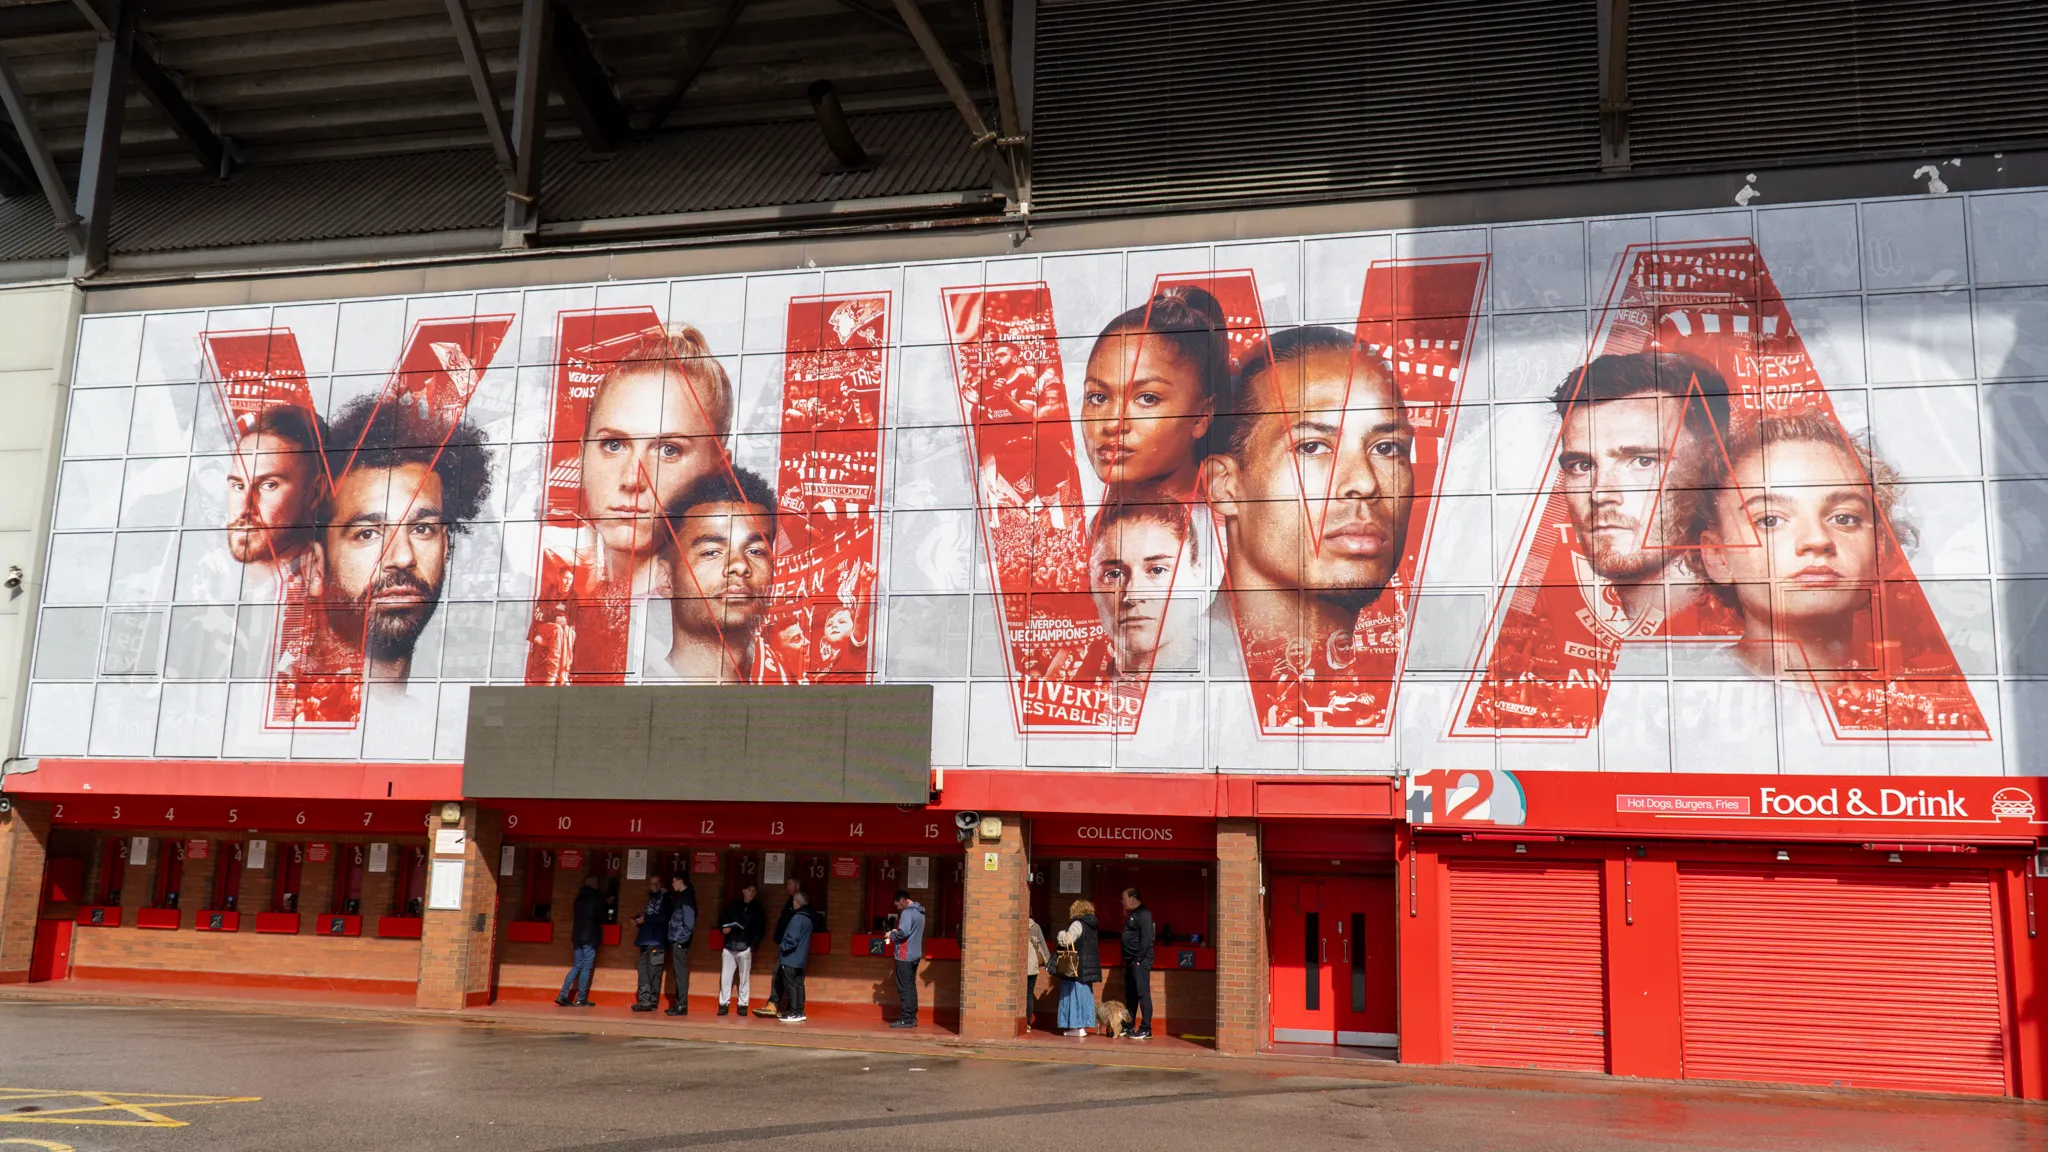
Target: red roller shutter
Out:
[1872,977]
[1528,979]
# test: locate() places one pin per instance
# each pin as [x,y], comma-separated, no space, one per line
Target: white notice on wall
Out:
[138,850]
[450,841]
[1070,876]
[380,857]
[636,863]
[257,855]
[508,858]
[920,872]
[444,886]
[773,868]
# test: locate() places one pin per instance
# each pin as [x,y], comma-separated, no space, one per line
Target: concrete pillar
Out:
[997,898]
[458,949]
[24,842]
[1242,967]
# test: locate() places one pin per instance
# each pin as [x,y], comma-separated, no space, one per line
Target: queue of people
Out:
[667,924]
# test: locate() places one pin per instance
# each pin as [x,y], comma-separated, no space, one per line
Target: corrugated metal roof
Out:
[692,171]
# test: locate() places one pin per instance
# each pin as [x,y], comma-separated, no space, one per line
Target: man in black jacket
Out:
[586,930]
[778,992]
[744,924]
[1138,936]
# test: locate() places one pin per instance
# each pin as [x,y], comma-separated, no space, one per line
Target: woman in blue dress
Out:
[1077,994]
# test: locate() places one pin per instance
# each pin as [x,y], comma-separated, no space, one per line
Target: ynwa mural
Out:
[1312,504]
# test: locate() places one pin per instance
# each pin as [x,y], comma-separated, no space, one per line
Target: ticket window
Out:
[936,882]
[539,901]
[409,886]
[1177,893]
[170,873]
[611,868]
[814,869]
[809,869]
[351,862]
[227,876]
[885,876]
[742,869]
[113,871]
[945,903]
[291,869]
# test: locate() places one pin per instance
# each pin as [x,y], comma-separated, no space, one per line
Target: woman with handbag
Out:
[1079,968]
[1037,957]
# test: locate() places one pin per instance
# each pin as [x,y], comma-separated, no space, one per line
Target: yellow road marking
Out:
[46,1145]
[118,1109]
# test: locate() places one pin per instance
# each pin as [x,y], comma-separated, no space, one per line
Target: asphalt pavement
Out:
[100,1077]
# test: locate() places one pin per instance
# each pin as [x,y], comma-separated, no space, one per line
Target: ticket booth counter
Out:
[287,883]
[102,908]
[223,906]
[1172,865]
[935,881]
[162,910]
[407,918]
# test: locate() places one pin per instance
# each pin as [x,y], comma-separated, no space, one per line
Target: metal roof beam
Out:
[480,80]
[884,20]
[96,14]
[38,150]
[949,78]
[1614,102]
[700,55]
[529,128]
[584,87]
[98,167]
[186,120]
[17,172]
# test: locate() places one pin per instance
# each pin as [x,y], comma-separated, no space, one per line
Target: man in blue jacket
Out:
[652,937]
[906,946]
[795,948]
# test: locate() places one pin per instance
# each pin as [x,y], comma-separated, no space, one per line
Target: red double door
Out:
[1332,941]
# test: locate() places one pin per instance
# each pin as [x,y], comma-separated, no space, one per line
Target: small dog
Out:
[1113,1018]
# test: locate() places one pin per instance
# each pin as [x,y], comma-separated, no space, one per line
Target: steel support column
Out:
[38,153]
[583,85]
[700,55]
[529,123]
[480,81]
[100,163]
[949,77]
[186,120]
[1614,102]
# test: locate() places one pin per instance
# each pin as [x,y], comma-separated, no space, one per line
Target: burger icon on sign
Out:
[2012,804]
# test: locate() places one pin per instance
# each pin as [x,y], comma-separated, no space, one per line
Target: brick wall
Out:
[457,948]
[992,940]
[24,840]
[1241,965]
